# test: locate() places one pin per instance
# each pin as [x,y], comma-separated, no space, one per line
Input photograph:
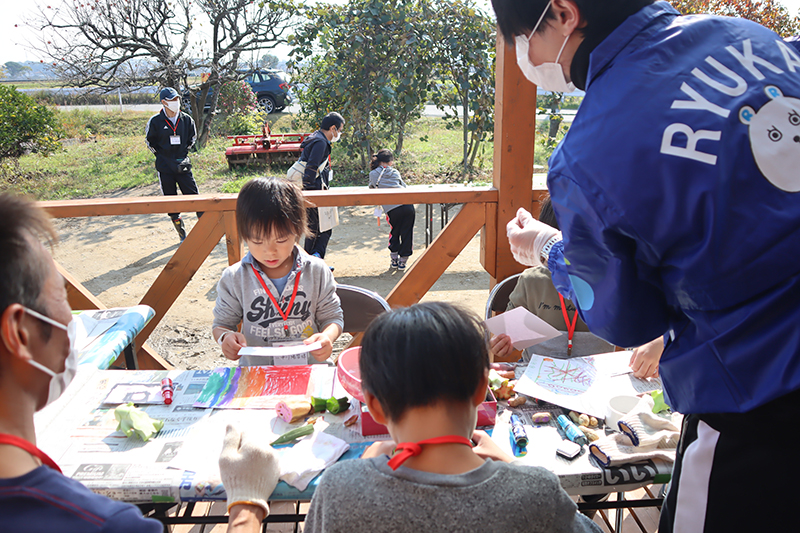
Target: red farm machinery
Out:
[264,149]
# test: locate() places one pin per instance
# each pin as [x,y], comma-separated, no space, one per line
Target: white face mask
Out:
[336,137]
[548,76]
[174,105]
[59,381]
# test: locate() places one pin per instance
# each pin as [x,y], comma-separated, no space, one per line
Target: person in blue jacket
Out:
[676,190]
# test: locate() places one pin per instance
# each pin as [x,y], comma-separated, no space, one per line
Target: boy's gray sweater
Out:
[386,178]
[366,496]
[241,298]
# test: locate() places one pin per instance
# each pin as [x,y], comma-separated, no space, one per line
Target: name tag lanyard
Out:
[175,127]
[13,440]
[570,328]
[284,316]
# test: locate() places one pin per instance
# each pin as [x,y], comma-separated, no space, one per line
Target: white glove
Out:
[648,431]
[249,469]
[527,237]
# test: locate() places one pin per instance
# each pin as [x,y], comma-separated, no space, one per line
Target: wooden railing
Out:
[219,220]
[485,209]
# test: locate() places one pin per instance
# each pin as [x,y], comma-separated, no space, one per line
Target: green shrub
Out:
[26,126]
[237,98]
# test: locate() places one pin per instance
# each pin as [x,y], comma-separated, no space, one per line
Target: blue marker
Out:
[571,430]
[518,431]
[518,437]
[515,448]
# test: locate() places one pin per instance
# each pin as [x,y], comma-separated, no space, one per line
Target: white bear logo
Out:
[775,138]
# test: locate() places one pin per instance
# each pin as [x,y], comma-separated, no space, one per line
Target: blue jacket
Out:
[676,189]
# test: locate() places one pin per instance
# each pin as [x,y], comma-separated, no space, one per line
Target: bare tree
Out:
[106,44]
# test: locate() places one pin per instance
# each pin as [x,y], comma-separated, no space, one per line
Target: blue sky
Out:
[13,39]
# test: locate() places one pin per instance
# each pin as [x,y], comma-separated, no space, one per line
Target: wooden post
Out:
[514,128]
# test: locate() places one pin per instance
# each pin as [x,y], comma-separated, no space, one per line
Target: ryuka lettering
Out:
[681,140]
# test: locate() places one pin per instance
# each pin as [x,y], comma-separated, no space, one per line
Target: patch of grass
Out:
[108,152]
[84,124]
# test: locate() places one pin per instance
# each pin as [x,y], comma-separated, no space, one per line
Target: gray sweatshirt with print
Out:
[366,496]
[241,298]
[386,178]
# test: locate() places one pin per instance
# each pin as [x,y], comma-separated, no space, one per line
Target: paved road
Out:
[429,111]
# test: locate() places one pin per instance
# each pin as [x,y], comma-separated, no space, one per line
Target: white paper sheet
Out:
[280,351]
[583,384]
[524,328]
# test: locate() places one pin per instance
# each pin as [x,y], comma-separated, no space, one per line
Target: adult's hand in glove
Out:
[527,237]
[248,468]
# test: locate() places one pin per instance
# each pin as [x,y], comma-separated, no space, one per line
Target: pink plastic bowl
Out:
[349,374]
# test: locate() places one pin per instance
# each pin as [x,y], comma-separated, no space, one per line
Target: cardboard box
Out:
[487,412]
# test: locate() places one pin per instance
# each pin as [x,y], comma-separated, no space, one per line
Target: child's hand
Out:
[645,358]
[327,346]
[486,448]
[231,344]
[381,447]
[501,345]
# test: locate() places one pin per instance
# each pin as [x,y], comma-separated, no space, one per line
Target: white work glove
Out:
[648,431]
[249,469]
[527,237]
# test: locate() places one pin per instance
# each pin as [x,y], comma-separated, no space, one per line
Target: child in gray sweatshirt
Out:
[280,294]
[424,372]
[401,217]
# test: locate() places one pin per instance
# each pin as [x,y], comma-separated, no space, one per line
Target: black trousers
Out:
[170,183]
[735,471]
[401,220]
[318,242]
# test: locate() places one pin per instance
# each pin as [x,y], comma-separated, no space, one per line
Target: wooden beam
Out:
[488,253]
[205,235]
[80,298]
[139,206]
[440,254]
[514,129]
[339,196]
[232,240]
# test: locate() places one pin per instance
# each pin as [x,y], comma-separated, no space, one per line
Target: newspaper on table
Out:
[583,384]
[582,475]
[104,459]
[180,462]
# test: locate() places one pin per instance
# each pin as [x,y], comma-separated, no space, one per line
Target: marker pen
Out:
[518,432]
[167,390]
[516,449]
[571,430]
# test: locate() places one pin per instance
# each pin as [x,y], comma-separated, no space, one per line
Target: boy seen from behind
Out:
[424,372]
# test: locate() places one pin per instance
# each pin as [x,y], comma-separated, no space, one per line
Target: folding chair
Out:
[360,307]
[498,297]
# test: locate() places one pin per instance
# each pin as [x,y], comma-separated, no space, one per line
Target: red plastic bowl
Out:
[348,373]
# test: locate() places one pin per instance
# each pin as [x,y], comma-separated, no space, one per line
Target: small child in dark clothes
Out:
[424,372]
[401,217]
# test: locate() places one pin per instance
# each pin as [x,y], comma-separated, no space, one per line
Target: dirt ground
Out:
[118,258]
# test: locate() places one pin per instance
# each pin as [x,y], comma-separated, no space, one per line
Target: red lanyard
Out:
[174,128]
[570,328]
[410,449]
[284,316]
[13,440]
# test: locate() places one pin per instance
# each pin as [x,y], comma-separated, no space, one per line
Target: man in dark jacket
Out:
[316,153]
[169,135]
